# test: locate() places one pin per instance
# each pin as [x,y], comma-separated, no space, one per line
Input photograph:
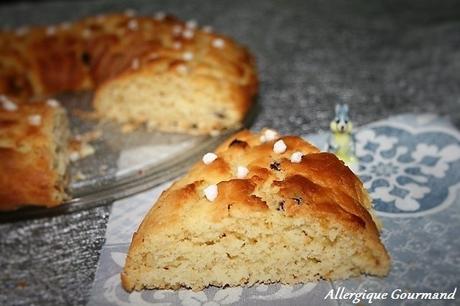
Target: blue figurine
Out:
[341,141]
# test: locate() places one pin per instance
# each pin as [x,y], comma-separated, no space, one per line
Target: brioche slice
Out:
[188,80]
[173,100]
[262,209]
[33,153]
[158,71]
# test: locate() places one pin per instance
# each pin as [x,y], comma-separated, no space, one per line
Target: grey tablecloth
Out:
[381,57]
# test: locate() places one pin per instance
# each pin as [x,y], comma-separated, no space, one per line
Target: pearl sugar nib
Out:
[218,43]
[34,120]
[7,104]
[279,147]
[207,29]
[191,24]
[296,157]
[241,172]
[133,25]
[50,31]
[52,102]
[209,158]
[188,33]
[187,56]
[211,192]
[268,135]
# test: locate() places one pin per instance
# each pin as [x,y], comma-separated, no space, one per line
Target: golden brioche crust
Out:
[319,188]
[106,54]
[33,158]
[96,52]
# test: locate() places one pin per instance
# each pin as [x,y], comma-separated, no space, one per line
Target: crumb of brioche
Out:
[257,250]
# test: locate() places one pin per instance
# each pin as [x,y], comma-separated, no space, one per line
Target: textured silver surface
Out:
[381,57]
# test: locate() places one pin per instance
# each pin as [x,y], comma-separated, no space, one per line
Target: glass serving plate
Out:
[123,164]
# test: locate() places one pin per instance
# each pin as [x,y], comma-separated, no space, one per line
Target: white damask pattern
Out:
[406,171]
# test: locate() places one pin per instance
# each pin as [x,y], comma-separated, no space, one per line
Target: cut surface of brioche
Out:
[160,71]
[33,154]
[284,221]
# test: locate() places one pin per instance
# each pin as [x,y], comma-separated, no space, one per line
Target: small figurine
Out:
[341,141]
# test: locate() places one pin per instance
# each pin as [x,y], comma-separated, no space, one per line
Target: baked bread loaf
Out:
[262,209]
[158,71]
[33,153]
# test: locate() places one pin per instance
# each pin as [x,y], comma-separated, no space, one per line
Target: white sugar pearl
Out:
[241,172]
[52,103]
[191,24]
[133,25]
[218,43]
[209,158]
[7,104]
[268,135]
[296,157]
[207,29]
[188,34]
[211,192]
[279,147]
[34,120]
[159,16]
[187,56]
[50,31]
[74,156]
